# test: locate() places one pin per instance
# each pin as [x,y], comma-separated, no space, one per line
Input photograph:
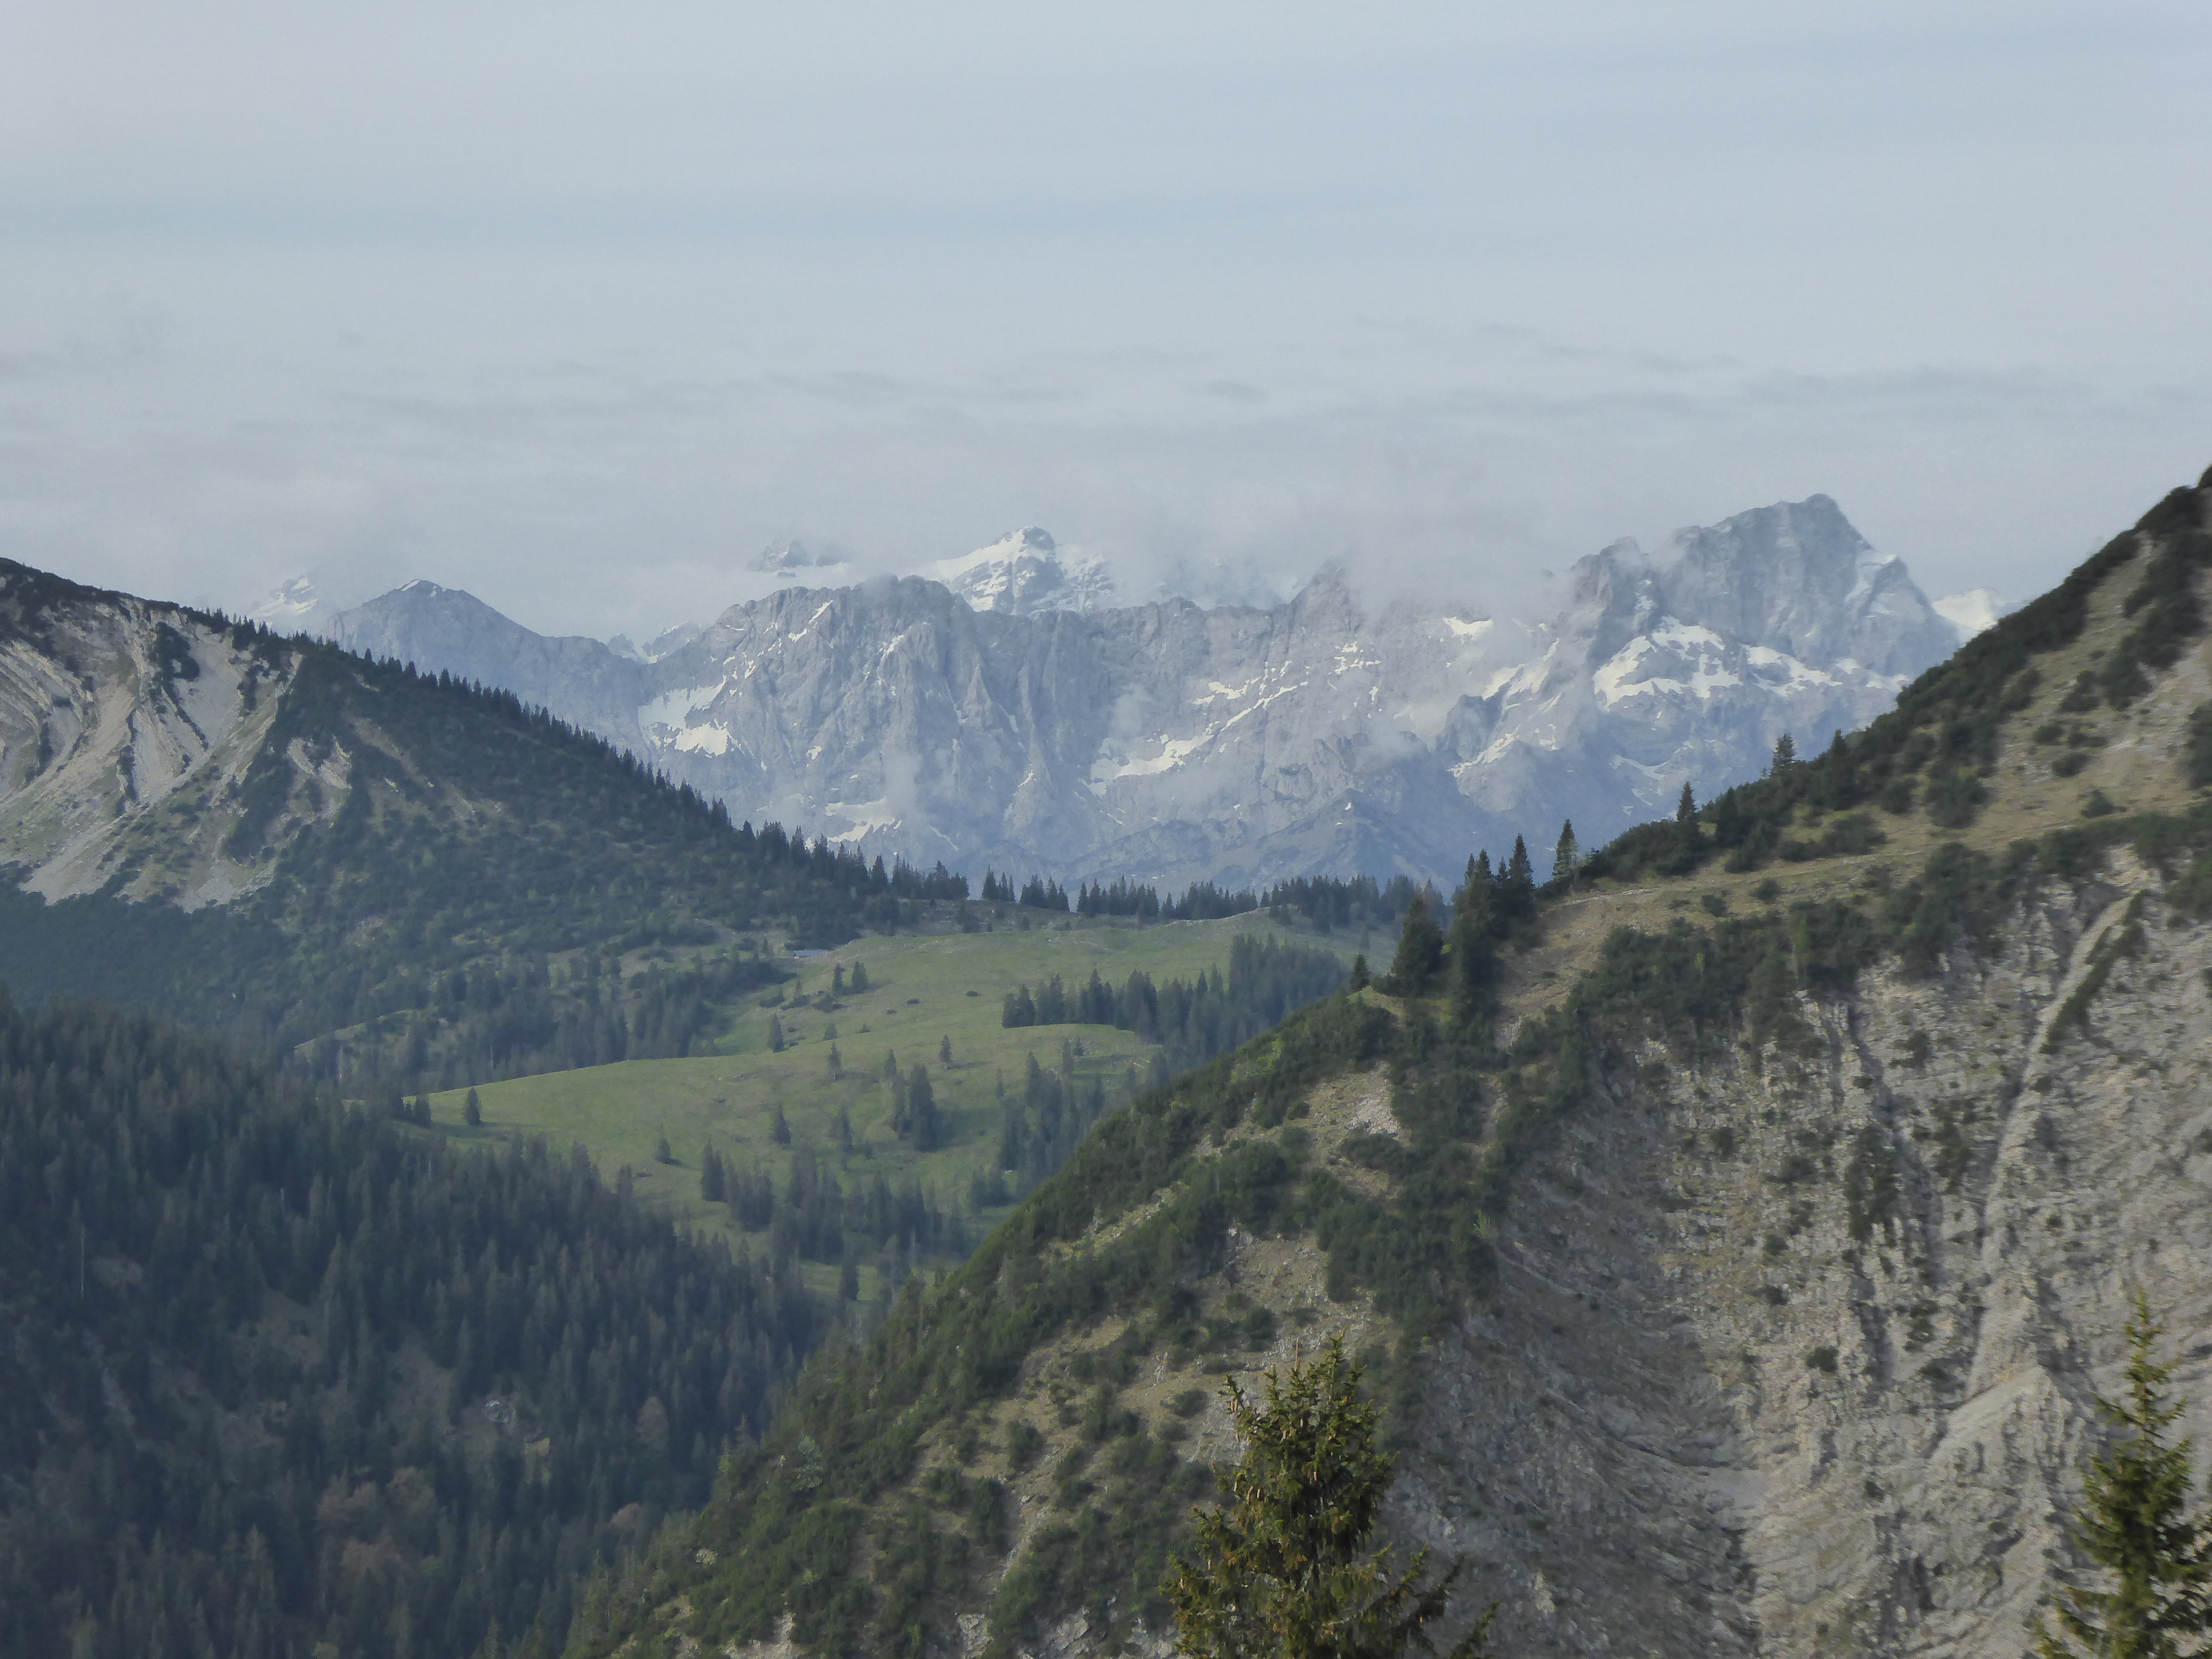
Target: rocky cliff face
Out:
[1010,714]
[1718,1407]
[125,723]
[1793,1345]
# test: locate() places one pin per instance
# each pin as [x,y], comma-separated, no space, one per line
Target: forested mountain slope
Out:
[1740,1228]
[294,843]
[275,1373]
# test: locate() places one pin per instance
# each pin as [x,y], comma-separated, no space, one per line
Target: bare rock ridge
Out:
[110,712]
[1005,710]
[1745,1282]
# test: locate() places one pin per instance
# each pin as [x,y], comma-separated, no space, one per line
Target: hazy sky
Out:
[577,306]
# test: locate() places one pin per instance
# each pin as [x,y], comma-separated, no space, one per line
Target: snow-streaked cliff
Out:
[1002,710]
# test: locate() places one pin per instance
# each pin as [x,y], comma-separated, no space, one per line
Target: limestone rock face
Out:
[1795,578]
[1797,1359]
[117,716]
[1010,714]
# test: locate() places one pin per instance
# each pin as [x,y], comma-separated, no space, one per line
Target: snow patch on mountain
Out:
[296,608]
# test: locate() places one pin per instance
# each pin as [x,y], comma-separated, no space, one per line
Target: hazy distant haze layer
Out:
[577,310]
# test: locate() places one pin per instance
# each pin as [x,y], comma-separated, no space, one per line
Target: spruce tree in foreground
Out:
[1279,1570]
[2135,1522]
[1420,952]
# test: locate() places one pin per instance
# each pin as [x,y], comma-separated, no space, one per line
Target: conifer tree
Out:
[779,1128]
[1566,856]
[1786,755]
[1473,956]
[944,1051]
[472,1111]
[914,1111]
[1517,888]
[2135,1522]
[1689,838]
[1360,981]
[1281,1569]
[859,977]
[1420,950]
[776,1034]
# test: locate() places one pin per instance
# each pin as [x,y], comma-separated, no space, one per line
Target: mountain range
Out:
[1008,709]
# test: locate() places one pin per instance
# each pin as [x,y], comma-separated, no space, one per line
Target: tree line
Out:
[1192,1020]
[1326,901]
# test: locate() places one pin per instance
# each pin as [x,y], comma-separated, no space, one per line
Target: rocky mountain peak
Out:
[1024,572]
[1611,596]
[1797,578]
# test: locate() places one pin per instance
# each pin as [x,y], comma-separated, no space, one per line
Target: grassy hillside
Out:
[1020,1447]
[923,990]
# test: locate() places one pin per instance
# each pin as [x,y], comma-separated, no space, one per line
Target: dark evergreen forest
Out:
[281,1372]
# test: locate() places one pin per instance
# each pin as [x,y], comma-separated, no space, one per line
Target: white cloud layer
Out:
[578,306]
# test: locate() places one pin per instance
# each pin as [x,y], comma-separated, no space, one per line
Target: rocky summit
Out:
[1004,711]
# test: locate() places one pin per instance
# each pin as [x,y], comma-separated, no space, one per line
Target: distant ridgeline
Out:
[279,1373]
[394,860]
[1009,1453]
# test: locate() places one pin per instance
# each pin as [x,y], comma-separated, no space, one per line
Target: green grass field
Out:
[922,990]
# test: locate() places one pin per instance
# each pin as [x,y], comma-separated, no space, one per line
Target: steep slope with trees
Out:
[276,1373]
[1733,1227]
